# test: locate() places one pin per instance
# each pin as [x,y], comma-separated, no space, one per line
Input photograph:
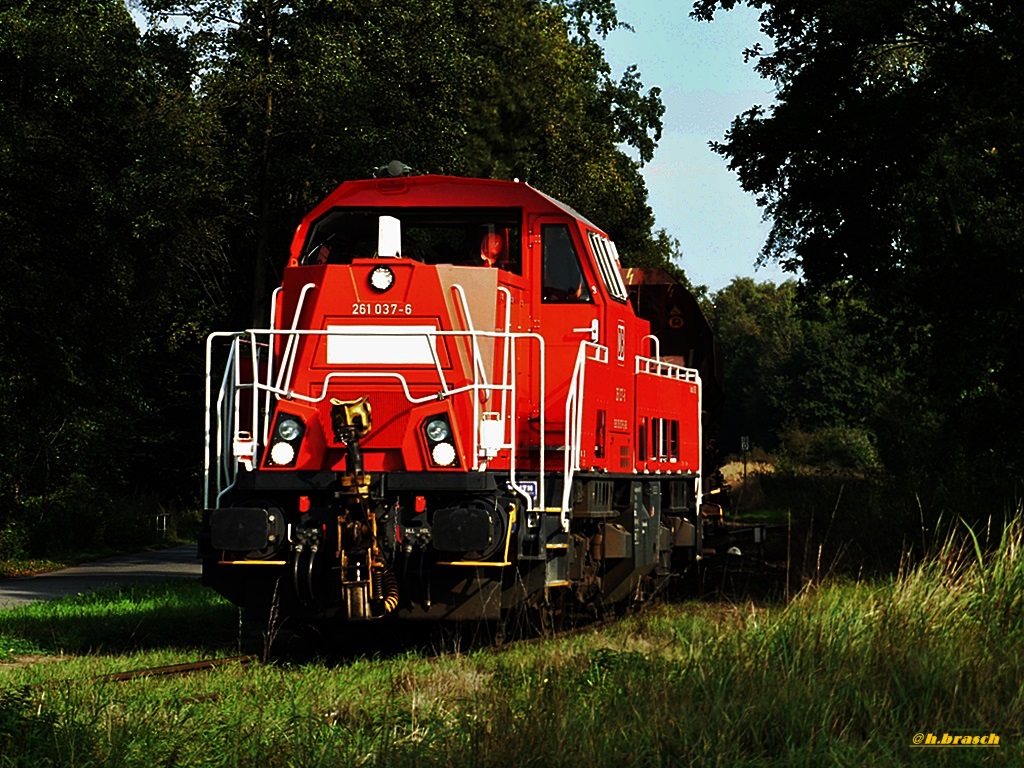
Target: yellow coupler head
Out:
[350,419]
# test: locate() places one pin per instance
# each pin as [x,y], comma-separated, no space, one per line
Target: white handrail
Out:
[478,362]
[657,345]
[573,406]
[274,298]
[542,415]
[588,351]
[291,349]
[659,367]
[698,488]
[221,466]
[208,457]
[507,295]
[478,370]
[222,469]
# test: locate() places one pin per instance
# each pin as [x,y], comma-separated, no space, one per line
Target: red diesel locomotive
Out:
[462,405]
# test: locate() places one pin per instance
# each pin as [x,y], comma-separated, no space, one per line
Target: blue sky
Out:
[705,84]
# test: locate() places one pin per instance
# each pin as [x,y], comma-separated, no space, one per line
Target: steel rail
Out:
[175,670]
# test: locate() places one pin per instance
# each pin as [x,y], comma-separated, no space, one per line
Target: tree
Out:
[311,93]
[798,364]
[756,328]
[103,187]
[891,163]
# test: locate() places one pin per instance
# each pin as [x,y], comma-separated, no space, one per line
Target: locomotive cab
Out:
[455,410]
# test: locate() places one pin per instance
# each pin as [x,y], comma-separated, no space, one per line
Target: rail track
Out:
[176,670]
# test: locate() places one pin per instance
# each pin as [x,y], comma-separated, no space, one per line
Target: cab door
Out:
[568,310]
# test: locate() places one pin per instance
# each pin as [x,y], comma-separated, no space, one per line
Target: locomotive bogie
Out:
[455,411]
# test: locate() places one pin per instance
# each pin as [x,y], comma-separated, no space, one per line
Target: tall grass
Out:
[846,674]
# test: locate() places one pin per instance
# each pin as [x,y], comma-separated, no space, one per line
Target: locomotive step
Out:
[556,567]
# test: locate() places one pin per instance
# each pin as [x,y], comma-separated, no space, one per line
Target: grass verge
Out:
[175,614]
[846,674]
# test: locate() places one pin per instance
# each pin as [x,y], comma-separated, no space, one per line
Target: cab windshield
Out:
[485,237]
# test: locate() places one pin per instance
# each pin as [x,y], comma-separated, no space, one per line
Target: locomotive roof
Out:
[441,191]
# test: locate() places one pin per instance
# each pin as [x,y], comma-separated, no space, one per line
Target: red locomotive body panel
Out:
[458,409]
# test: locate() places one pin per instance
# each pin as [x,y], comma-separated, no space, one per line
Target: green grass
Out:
[175,614]
[845,675]
[766,516]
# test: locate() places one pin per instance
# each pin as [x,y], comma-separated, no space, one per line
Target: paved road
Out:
[145,567]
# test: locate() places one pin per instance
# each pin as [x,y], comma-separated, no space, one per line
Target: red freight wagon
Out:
[460,406]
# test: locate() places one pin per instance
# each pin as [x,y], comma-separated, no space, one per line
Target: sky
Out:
[704,85]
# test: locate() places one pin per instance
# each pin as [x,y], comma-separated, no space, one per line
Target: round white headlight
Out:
[437,430]
[282,453]
[288,429]
[443,454]
[382,278]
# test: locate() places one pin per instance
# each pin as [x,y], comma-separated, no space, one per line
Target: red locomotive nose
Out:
[534,420]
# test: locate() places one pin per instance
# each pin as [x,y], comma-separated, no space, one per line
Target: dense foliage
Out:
[891,168]
[312,93]
[107,209]
[808,377]
[793,365]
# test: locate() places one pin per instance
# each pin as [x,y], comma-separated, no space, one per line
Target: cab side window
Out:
[563,279]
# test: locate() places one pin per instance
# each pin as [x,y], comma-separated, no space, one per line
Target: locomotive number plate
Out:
[380,308]
[381,345]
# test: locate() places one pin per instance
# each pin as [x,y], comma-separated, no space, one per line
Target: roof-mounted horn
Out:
[394,169]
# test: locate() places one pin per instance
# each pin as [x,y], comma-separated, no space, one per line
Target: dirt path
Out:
[144,567]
